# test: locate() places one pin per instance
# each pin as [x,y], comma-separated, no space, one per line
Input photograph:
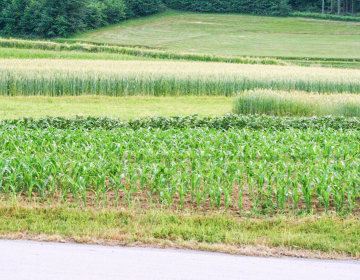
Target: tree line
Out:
[326,6]
[266,7]
[62,18]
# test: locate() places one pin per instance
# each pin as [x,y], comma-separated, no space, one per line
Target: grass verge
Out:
[326,237]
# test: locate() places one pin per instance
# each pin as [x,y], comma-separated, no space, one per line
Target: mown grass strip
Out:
[125,108]
[132,51]
[308,236]
[67,45]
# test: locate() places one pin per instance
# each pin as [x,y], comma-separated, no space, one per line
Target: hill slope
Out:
[230,34]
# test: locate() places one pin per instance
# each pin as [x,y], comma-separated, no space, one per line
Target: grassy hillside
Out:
[235,35]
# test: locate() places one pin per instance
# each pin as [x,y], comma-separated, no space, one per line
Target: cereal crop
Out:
[161,78]
[281,103]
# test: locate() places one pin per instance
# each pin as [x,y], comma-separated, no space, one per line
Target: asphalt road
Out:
[39,260]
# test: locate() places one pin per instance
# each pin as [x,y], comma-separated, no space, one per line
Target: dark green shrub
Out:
[95,14]
[114,11]
[259,7]
[63,18]
[327,16]
[138,8]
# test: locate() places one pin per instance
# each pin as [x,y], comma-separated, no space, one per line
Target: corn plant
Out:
[257,170]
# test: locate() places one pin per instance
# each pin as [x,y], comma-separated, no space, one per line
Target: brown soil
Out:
[142,200]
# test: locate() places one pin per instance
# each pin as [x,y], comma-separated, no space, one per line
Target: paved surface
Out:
[38,260]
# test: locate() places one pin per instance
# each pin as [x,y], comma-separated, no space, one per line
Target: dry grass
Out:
[266,237]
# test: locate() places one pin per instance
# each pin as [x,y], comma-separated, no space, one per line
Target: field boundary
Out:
[261,236]
[78,45]
[135,51]
[285,58]
[246,250]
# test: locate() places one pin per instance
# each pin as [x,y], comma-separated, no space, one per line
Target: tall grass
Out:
[280,103]
[160,78]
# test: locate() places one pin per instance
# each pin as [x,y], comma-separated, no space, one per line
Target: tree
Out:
[60,18]
[339,6]
[114,11]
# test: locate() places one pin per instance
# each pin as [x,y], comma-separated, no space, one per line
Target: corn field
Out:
[160,78]
[280,103]
[257,171]
[238,163]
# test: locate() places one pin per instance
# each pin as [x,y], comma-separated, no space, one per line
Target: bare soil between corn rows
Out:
[141,200]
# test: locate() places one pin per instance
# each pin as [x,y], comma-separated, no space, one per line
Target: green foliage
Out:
[140,8]
[227,122]
[95,15]
[301,170]
[62,18]
[315,6]
[303,5]
[259,7]
[104,12]
[327,16]
[114,11]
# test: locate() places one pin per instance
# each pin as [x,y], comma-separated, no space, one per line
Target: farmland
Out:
[117,107]
[295,103]
[237,35]
[163,78]
[211,137]
[175,167]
